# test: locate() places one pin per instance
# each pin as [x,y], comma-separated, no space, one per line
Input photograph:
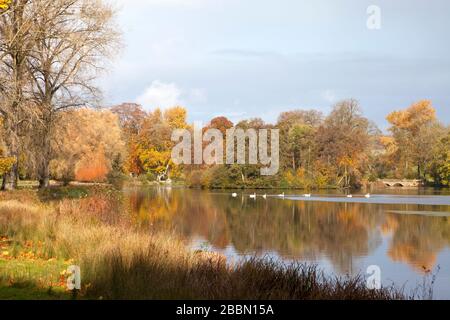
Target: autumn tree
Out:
[343,141]
[220,123]
[72,40]
[301,145]
[50,55]
[154,144]
[291,123]
[6,163]
[246,171]
[439,164]
[87,142]
[4,5]
[131,118]
[16,40]
[176,117]
[414,130]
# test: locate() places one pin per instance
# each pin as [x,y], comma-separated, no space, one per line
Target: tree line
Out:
[342,149]
[51,53]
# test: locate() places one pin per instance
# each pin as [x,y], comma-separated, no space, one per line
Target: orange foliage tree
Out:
[88,142]
[92,168]
[131,118]
[414,131]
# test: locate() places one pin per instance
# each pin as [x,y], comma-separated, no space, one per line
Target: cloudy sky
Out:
[256,58]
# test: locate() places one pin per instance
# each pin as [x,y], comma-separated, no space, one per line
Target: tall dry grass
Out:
[120,262]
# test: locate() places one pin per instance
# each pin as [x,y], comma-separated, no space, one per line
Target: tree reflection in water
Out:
[309,231]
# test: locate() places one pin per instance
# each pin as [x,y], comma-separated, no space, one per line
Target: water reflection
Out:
[340,233]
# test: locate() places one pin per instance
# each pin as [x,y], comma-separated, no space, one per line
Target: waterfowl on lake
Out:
[308,195]
[253,196]
[367,195]
[265,196]
[349,196]
[281,195]
[234,195]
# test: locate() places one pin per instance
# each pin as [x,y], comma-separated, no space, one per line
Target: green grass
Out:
[30,292]
[31,279]
[68,192]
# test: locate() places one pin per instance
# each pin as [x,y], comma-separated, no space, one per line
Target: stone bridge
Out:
[401,183]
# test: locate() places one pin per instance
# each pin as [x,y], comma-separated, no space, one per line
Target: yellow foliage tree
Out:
[414,132]
[6,165]
[155,161]
[154,143]
[414,117]
[4,4]
[86,144]
[176,117]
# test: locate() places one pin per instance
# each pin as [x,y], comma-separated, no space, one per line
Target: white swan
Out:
[349,196]
[234,195]
[308,195]
[281,195]
[367,195]
[265,196]
[253,196]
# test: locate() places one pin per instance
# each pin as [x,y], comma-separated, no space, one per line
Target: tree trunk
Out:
[12,151]
[44,180]
[346,184]
[10,178]
[44,170]
[419,174]
[44,174]
[45,148]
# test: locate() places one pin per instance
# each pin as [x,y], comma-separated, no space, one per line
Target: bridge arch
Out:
[401,183]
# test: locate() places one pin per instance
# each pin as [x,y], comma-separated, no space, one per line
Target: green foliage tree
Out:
[439,166]
[288,124]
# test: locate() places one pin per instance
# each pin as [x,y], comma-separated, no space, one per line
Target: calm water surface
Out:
[405,232]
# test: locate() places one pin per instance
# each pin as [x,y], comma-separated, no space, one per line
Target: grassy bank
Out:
[118,261]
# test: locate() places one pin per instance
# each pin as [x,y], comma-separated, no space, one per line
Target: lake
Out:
[404,232]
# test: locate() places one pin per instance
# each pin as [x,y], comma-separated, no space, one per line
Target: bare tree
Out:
[72,41]
[15,44]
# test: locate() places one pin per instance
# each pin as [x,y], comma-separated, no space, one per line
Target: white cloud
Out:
[166,95]
[161,95]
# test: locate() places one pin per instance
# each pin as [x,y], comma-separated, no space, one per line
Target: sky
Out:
[257,58]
